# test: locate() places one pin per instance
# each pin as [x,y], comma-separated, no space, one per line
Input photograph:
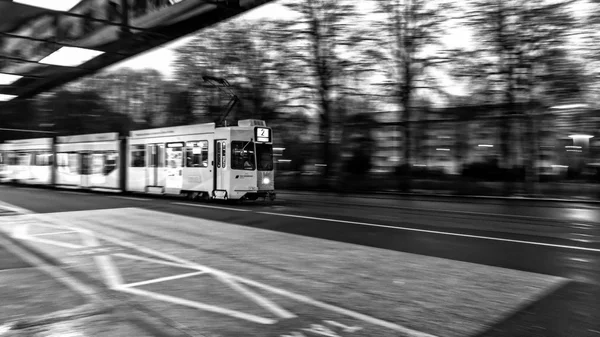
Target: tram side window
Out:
[62,160]
[197,154]
[13,159]
[74,162]
[43,159]
[98,160]
[138,156]
[24,159]
[242,156]
[111,162]
[161,156]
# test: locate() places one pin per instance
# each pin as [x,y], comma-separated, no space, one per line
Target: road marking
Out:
[20,231]
[209,206]
[107,267]
[55,272]
[285,293]
[198,305]
[262,301]
[52,242]
[53,233]
[161,279]
[132,198]
[164,262]
[4,328]
[486,214]
[72,192]
[435,232]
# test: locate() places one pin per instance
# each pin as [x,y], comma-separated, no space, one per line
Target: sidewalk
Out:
[38,300]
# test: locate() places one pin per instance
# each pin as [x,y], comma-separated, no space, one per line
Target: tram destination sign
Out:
[262,135]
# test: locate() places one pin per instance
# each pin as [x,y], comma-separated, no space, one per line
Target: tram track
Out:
[547,221]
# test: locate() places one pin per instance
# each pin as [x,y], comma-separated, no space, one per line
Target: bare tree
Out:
[312,64]
[517,41]
[408,45]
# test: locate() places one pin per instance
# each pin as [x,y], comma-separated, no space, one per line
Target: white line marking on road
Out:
[262,301]
[161,279]
[458,212]
[53,233]
[111,274]
[132,198]
[52,242]
[285,293]
[435,232]
[166,263]
[209,206]
[15,208]
[198,305]
[20,231]
[4,328]
[73,192]
[55,272]
[107,267]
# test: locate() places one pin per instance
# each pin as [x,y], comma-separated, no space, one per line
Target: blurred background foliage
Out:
[359,97]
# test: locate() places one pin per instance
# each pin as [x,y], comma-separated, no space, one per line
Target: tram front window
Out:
[242,156]
[264,155]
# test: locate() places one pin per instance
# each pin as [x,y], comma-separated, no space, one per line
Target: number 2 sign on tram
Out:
[262,135]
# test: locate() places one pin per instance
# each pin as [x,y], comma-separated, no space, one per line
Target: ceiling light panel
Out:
[70,56]
[55,5]
[5,98]
[8,79]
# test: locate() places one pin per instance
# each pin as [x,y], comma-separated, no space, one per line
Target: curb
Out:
[103,300]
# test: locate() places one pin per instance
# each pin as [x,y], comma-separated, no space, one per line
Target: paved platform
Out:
[227,280]
[41,300]
[26,291]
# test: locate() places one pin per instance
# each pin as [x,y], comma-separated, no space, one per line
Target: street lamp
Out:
[581,140]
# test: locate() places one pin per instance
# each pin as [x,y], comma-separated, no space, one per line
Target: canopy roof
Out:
[42,48]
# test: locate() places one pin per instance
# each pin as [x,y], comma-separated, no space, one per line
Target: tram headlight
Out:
[266,180]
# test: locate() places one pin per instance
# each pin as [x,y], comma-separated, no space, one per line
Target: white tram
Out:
[3,171]
[89,161]
[203,160]
[29,161]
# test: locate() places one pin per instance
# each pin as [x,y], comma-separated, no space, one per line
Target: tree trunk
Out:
[326,137]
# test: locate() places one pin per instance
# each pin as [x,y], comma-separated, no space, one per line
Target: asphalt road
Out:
[559,239]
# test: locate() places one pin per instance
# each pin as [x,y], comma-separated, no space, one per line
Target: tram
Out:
[3,172]
[88,161]
[202,161]
[29,161]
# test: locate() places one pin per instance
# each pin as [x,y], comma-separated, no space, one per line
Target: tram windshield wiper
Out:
[244,148]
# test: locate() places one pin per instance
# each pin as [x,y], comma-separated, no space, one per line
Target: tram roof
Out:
[42,48]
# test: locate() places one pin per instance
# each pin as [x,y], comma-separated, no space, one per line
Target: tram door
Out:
[220,166]
[174,166]
[153,167]
[86,169]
